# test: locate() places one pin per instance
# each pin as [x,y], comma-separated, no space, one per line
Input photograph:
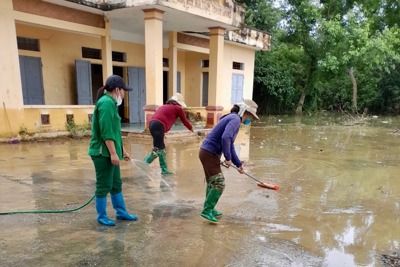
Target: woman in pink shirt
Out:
[161,122]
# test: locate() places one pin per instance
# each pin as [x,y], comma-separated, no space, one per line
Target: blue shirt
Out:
[222,136]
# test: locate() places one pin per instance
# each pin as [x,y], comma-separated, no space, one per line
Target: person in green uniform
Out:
[106,150]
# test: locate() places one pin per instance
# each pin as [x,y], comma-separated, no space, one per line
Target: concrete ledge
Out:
[170,137]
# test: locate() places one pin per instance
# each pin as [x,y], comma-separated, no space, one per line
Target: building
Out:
[55,54]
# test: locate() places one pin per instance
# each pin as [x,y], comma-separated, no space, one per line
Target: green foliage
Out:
[387,100]
[273,84]
[78,130]
[261,15]
[23,130]
[316,44]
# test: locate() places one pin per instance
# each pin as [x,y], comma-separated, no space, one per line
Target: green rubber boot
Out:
[162,157]
[209,204]
[214,211]
[151,156]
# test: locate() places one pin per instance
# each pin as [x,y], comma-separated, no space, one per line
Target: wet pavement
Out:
[338,203]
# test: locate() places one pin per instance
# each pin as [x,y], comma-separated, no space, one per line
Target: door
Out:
[32,80]
[137,97]
[83,82]
[204,101]
[237,88]
[178,82]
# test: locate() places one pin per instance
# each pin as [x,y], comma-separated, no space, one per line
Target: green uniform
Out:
[106,125]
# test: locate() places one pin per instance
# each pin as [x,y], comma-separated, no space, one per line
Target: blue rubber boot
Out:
[119,205]
[101,204]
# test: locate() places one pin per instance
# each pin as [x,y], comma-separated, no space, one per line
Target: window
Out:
[28,44]
[237,66]
[205,63]
[118,56]
[45,118]
[165,62]
[91,53]
[70,118]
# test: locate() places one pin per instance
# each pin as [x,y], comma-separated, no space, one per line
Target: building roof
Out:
[186,16]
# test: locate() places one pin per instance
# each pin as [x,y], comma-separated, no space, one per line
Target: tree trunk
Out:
[308,82]
[354,82]
[299,109]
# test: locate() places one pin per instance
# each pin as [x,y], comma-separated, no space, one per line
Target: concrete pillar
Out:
[106,51]
[173,64]
[10,75]
[153,20]
[11,103]
[216,82]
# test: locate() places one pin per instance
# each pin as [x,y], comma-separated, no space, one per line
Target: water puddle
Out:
[338,202]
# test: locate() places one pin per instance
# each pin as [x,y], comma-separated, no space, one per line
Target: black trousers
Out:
[157,131]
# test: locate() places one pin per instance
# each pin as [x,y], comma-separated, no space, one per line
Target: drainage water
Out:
[146,170]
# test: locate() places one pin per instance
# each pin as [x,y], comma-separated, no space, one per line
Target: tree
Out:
[351,48]
[326,54]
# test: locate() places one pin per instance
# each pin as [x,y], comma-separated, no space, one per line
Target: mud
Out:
[338,203]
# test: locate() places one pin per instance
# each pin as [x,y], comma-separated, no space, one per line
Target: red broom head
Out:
[268,186]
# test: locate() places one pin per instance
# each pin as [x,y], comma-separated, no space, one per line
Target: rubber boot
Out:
[214,211]
[209,204]
[119,205]
[101,204]
[162,156]
[151,156]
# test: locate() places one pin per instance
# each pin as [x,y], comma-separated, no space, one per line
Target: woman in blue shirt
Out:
[220,141]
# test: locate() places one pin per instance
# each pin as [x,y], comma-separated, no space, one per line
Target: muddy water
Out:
[338,203]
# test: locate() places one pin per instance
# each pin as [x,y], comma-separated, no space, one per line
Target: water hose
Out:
[47,211]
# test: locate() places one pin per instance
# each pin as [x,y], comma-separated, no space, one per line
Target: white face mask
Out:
[119,100]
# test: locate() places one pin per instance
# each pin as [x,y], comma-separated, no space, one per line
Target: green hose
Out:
[48,211]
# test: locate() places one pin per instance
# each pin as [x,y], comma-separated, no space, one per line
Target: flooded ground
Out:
[338,203]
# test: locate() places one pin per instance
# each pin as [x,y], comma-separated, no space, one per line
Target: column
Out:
[11,103]
[173,64]
[153,19]
[216,83]
[106,51]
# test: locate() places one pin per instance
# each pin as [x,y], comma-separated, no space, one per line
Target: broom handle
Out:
[248,175]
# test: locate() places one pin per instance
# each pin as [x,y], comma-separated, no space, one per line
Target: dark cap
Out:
[115,81]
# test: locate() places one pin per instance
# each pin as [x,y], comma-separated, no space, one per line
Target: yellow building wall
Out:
[60,49]
[58,52]
[193,82]
[57,115]
[135,54]
[232,53]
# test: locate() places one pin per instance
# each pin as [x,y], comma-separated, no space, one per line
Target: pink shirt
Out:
[167,115]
